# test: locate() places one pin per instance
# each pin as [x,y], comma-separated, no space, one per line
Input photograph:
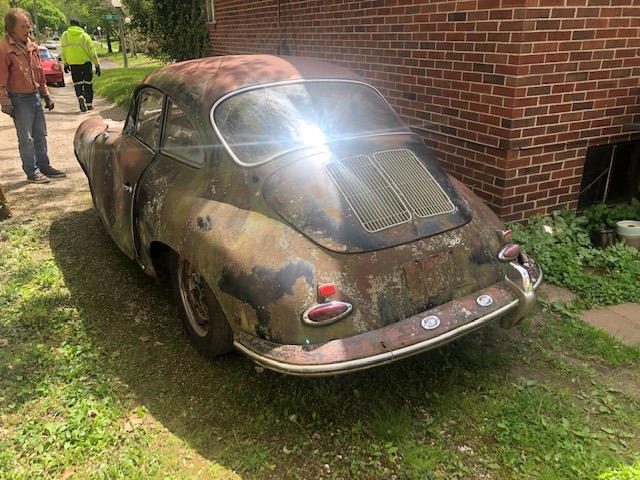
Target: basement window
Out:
[611,175]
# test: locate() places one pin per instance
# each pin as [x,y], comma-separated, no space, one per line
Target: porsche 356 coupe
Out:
[302,221]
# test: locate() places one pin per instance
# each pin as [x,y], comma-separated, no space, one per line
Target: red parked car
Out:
[52,67]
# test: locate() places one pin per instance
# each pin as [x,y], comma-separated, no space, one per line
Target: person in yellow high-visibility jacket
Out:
[79,55]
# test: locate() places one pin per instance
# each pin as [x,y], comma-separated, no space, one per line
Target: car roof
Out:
[199,83]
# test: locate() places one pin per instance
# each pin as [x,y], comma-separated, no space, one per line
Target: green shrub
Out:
[602,216]
[560,243]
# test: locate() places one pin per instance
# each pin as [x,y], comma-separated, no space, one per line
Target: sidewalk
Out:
[621,321]
[62,194]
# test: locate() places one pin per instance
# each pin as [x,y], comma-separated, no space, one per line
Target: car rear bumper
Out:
[54,77]
[510,300]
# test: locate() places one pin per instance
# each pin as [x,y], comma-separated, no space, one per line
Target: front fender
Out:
[84,139]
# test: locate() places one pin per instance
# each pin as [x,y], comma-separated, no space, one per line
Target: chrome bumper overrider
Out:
[511,300]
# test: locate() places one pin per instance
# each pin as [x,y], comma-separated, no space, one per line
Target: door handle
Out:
[127,186]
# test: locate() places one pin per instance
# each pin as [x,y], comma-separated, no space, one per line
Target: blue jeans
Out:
[28,118]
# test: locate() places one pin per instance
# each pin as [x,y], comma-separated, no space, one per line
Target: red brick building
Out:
[528,102]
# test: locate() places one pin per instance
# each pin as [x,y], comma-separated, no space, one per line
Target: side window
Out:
[149,117]
[181,138]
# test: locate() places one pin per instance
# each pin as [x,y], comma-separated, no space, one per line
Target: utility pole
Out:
[123,47]
[35,20]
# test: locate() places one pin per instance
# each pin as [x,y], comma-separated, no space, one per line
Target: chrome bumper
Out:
[511,300]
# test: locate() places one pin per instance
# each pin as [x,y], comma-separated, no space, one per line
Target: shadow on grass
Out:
[227,409]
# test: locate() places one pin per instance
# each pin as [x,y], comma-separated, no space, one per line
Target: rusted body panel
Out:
[265,237]
[384,345]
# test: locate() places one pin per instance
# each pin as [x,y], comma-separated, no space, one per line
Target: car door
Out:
[138,148]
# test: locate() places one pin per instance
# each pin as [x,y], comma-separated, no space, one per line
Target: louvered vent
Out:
[389,189]
[368,192]
[414,183]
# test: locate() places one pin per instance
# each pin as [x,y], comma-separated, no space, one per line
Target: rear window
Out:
[259,124]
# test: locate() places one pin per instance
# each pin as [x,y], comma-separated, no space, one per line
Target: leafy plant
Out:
[175,27]
[560,244]
[602,216]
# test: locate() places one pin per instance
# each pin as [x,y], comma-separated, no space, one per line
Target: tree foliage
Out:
[4,6]
[49,15]
[89,13]
[177,28]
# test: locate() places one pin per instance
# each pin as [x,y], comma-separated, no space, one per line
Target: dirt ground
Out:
[62,194]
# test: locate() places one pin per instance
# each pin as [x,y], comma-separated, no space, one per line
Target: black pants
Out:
[82,76]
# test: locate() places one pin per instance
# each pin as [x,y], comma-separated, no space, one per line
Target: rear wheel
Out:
[61,82]
[202,317]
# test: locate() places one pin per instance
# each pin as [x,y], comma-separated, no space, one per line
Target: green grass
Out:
[97,380]
[118,84]
[95,384]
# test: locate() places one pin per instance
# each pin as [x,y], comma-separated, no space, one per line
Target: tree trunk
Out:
[5,212]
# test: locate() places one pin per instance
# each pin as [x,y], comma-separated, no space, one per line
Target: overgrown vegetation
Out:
[561,244]
[176,30]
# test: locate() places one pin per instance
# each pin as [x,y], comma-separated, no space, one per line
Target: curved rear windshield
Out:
[45,54]
[261,123]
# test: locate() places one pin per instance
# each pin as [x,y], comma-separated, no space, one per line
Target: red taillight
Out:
[324,313]
[504,235]
[509,252]
[326,289]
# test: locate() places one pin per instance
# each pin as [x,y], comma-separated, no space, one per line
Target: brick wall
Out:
[508,93]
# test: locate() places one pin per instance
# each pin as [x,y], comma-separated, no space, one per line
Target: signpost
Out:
[118,5]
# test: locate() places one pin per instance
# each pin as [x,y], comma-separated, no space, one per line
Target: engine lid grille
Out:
[389,189]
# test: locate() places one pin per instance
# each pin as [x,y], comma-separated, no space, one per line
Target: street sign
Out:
[109,17]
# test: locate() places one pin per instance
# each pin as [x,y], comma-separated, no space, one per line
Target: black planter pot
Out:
[603,238]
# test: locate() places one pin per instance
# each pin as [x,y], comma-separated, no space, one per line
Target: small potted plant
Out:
[601,225]
[602,220]
[628,224]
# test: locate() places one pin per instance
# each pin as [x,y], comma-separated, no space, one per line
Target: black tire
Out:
[202,317]
[61,83]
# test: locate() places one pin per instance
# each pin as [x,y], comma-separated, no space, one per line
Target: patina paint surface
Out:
[265,237]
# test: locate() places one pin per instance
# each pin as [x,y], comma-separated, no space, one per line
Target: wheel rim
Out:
[193,296]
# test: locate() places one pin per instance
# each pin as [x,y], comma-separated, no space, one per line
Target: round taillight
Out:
[325,313]
[506,234]
[509,252]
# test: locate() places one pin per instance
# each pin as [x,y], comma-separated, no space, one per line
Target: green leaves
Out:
[177,28]
[560,243]
[602,216]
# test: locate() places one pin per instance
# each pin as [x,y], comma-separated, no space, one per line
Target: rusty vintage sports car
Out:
[302,221]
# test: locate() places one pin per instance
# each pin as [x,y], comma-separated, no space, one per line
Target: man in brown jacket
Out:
[22,85]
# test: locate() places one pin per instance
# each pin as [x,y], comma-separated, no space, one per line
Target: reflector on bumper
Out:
[393,342]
